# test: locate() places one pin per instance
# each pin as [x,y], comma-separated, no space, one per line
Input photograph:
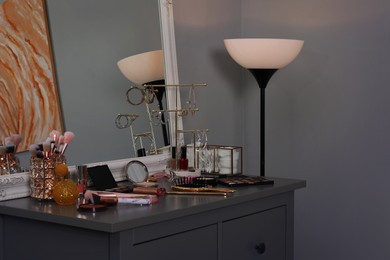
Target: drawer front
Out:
[257,236]
[200,243]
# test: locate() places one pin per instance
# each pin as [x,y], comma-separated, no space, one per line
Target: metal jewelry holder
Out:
[147,97]
[180,112]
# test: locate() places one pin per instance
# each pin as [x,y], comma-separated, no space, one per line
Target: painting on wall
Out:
[29,99]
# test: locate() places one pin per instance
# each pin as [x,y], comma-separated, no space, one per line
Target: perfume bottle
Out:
[183,159]
[65,191]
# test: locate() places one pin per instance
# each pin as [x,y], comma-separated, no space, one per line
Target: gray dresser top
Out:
[122,217]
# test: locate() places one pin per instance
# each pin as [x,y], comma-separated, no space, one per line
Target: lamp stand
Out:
[262,77]
[160,95]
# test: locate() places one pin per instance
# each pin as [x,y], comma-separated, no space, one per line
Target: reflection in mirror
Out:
[145,69]
[89,37]
[136,172]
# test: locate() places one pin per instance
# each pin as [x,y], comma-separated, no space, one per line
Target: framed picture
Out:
[29,98]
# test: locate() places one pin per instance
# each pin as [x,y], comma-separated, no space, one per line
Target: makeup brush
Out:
[60,144]
[33,149]
[46,148]
[68,137]
[16,139]
[55,135]
[7,140]
[52,144]
[2,150]
[10,146]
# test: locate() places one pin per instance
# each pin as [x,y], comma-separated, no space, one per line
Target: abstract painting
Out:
[29,99]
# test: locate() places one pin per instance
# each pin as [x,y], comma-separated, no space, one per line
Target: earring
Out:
[129,119]
[149,94]
[135,101]
[192,101]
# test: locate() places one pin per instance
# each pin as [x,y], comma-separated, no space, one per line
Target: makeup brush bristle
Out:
[16,139]
[46,146]
[7,140]
[68,137]
[2,150]
[33,149]
[55,134]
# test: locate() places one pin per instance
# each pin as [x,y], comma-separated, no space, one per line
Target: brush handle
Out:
[205,189]
[207,193]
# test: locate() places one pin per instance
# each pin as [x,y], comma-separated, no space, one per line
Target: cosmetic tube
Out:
[111,200]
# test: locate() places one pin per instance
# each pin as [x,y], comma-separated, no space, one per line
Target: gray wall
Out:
[201,59]
[326,113]
[88,38]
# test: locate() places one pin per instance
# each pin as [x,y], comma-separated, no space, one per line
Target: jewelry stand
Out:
[178,111]
[147,97]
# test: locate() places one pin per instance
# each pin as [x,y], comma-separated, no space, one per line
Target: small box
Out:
[220,159]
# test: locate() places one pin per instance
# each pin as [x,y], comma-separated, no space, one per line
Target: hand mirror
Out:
[137,173]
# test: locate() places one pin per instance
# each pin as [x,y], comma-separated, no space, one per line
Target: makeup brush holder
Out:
[9,162]
[42,176]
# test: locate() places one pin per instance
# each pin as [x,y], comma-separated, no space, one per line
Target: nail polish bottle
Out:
[183,159]
[141,152]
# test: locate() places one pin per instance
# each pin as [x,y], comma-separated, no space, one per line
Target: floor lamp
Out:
[263,57]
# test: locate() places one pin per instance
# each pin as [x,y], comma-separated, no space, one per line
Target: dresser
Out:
[256,222]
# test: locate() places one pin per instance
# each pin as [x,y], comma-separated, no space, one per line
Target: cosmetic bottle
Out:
[172,163]
[141,152]
[183,159]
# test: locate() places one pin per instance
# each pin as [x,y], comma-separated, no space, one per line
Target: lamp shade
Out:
[144,67]
[263,53]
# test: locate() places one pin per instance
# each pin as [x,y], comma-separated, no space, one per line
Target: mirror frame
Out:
[171,72]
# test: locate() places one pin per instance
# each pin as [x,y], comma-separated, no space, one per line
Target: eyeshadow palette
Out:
[243,180]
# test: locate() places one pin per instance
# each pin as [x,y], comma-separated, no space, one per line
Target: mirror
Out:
[88,38]
[136,172]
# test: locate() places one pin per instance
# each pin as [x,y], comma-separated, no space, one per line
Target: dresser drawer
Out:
[257,236]
[200,243]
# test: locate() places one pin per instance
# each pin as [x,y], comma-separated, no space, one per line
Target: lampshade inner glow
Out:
[144,67]
[263,53]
